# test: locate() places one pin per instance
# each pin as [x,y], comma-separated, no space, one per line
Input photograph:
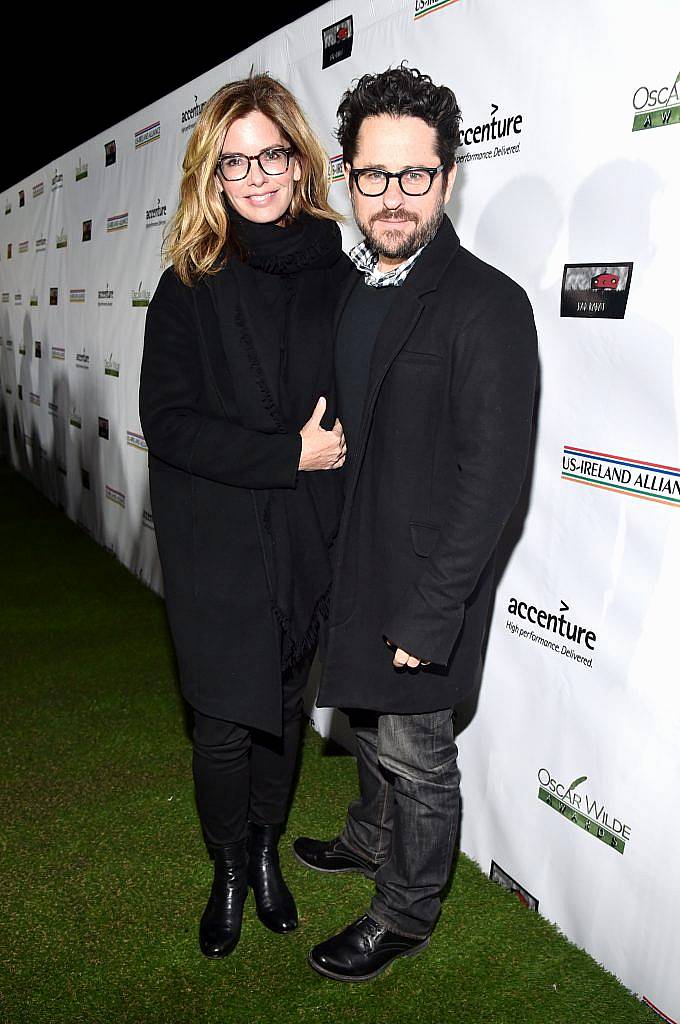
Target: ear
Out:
[297,169]
[347,170]
[220,186]
[450,178]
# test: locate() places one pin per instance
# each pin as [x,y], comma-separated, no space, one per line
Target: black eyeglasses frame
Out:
[288,150]
[432,171]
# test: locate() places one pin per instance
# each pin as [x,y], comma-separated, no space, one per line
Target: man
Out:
[436,364]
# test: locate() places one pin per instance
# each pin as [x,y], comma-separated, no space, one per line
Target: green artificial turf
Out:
[104,876]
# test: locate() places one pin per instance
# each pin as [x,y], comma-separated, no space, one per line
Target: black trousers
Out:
[242,774]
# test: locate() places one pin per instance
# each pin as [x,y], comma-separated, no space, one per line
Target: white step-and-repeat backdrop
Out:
[568,182]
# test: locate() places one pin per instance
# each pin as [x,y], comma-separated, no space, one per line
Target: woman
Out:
[236,404]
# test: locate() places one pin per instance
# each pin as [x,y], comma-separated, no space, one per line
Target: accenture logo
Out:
[630,477]
[507,127]
[105,296]
[551,628]
[157,215]
[190,116]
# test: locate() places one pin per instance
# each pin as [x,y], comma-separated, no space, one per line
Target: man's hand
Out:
[403,659]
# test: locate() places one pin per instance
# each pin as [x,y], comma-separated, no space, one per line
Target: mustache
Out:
[394,215]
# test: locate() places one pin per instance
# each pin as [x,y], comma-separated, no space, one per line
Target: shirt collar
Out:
[365,259]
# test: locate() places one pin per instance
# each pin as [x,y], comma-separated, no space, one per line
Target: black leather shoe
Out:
[220,927]
[273,899]
[362,951]
[332,857]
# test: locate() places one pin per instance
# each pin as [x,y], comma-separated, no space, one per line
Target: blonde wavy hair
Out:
[199,232]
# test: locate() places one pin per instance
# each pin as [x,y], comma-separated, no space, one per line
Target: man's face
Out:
[396,225]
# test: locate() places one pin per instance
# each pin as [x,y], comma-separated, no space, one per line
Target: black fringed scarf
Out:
[274,310]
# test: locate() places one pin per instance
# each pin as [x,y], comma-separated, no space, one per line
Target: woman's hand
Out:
[321,449]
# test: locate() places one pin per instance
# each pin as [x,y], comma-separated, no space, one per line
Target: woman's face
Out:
[259,196]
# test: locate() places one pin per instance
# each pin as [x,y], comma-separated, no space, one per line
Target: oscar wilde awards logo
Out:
[656,106]
[651,481]
[423,7]
[505,126]
[62,239]
[57,180]
[551,630]
[33,301]
[141,297]
[337,42]
[76,295]
[147,519]
[596,290]
[111,366]
[23,246]
[583,810]
[38,189]
[81,170]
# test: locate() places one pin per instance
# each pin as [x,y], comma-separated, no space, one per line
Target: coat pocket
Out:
[423,537]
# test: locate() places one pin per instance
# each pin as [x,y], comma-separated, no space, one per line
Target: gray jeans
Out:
[406,817]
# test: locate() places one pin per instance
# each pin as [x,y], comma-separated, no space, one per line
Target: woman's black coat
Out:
[203,467]
[440,460]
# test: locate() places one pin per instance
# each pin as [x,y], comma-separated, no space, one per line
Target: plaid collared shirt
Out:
[366,260]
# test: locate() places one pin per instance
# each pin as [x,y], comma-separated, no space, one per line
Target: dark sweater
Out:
[362,318]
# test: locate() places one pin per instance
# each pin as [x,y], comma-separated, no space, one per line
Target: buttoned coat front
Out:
[438,467]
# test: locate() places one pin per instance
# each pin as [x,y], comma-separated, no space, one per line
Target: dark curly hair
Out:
[401,92]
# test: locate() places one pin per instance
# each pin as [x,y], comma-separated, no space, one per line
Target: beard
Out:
[394,244]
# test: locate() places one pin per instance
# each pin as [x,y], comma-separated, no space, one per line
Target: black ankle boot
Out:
[273,899]
[220,927]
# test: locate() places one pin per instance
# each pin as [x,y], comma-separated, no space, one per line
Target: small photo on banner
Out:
[497,874]
[596,290]
[337,41]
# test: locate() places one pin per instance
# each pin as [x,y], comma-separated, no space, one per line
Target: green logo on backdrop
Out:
[583,810]
[656,108]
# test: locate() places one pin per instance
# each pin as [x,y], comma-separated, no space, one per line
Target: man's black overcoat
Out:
[203,467]
[440,460]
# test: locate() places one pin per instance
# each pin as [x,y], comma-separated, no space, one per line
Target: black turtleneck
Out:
[362,318]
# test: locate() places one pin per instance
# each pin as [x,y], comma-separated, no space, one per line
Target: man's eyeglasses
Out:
[235,166]
[413,181]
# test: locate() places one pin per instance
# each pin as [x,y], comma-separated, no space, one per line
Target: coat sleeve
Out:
[176,428]
[491,407]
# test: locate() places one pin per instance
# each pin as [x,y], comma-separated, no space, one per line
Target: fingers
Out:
[319,410]
[404,660]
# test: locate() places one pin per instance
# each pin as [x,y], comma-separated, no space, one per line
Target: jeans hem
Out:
[386,923]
